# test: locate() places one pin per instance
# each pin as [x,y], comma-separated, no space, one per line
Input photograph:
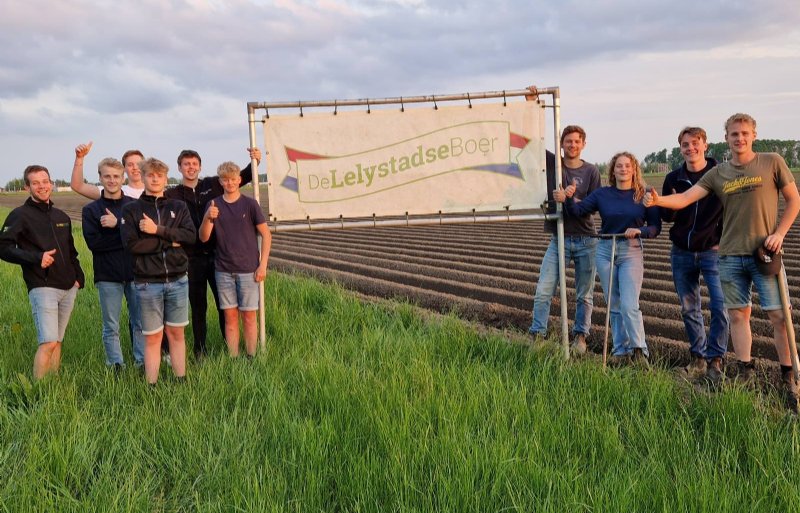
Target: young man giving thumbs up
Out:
[153,229]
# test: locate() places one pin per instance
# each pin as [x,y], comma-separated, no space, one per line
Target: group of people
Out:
[725,228]
[158,247]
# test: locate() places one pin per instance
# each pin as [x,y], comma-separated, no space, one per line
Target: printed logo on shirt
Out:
[122,221]
[741,185]
[62,225]
[172,214]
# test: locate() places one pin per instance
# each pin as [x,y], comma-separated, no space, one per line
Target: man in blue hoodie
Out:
[695,236]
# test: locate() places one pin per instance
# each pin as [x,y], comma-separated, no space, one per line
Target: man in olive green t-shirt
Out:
[748,187]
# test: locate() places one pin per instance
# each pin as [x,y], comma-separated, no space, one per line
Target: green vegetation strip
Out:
[373,407]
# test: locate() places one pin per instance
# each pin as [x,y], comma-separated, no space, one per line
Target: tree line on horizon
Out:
[664,161]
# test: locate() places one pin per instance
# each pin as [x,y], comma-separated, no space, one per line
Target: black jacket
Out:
[32,229]
[196,200]
[112,262]
[156,258]
[697,227]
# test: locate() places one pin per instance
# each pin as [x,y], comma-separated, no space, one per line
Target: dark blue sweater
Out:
[111,261]
[618,212]
[697,227]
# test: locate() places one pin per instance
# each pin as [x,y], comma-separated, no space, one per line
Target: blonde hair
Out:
[740,117]
[228,170]
[152,165]
[639,185]
[109,162]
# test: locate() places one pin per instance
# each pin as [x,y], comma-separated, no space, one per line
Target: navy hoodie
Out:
[696,227]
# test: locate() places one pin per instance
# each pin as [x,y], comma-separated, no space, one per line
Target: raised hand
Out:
[651,198]
[146,225]
[108,220]
[212,212]
[48,259]
[571,188]
[560,194]
[82,150]
[255,153]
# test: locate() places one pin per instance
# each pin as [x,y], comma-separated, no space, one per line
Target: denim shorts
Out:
[237,290]
[163,303]
[738,274]
[51,310]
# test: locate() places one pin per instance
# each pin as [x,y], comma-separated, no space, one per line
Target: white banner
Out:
[420,161]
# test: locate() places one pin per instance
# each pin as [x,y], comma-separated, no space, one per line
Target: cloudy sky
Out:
[163,75]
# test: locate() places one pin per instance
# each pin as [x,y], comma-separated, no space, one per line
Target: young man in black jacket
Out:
[695,236]
[154,230]
[38,237]
[113,265]
[196,192]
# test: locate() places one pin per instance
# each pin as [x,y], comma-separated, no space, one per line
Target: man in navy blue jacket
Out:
[113,265]
[695,236]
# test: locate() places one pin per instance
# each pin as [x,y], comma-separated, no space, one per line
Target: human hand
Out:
[48,259]
[632,233]
[560,194]
[82,150]
[260,274]
[109,220]
[146,225]
[651,198]
[212,212]
[255,153]
[571,188]
[774,242]
[534,95]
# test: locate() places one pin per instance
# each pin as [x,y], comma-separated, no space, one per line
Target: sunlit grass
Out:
[372,407]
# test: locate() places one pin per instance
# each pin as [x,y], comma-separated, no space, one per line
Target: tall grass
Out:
[373,407]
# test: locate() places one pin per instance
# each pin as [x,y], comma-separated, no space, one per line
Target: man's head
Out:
[37,183]
[130,161]
[693,144]
[740,132]
[189,164]
[229,176]
[111,174]
[155,176]
[573,141]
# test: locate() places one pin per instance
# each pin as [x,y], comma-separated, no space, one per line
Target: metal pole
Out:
[608,298]
[251,118]
[787,314]
[562,275]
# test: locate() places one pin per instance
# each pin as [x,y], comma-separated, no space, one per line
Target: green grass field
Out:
[373,407]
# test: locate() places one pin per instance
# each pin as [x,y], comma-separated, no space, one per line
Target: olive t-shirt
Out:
[749,196]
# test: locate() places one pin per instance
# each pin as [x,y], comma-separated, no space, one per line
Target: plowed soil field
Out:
[486,272]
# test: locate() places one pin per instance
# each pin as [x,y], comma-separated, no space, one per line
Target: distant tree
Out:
[17,184]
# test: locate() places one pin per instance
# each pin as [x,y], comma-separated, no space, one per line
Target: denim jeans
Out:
[687,266]
[580,250]
[738,274]
[627,325]
[111,293]
[51,312]
[163,303]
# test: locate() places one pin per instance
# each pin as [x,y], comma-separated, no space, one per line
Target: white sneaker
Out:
[166,359]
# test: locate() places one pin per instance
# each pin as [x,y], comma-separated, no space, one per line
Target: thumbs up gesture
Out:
[82,150]
[570,190]
[48,259]
[212,212]
[651,198]
[146,225]
[108,220]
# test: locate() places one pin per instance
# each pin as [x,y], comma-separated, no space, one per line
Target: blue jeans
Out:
[686,269]
[739,273]
[111,293]
[580,250]
[51,311]
[627,325]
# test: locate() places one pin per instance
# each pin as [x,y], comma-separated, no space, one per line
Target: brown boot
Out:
[579,345]
[696,368]
[790,390]
[745,373]
[714,372]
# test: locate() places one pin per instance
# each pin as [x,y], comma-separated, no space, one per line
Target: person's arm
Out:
[183,232]
[653,228]
[207,226]
[80,279]
[266,244]
[247,172]
[790,195]
[76,182]
[96,234]
[667,215]
[9,250]
[137,241]
[675,201]
[589,205]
